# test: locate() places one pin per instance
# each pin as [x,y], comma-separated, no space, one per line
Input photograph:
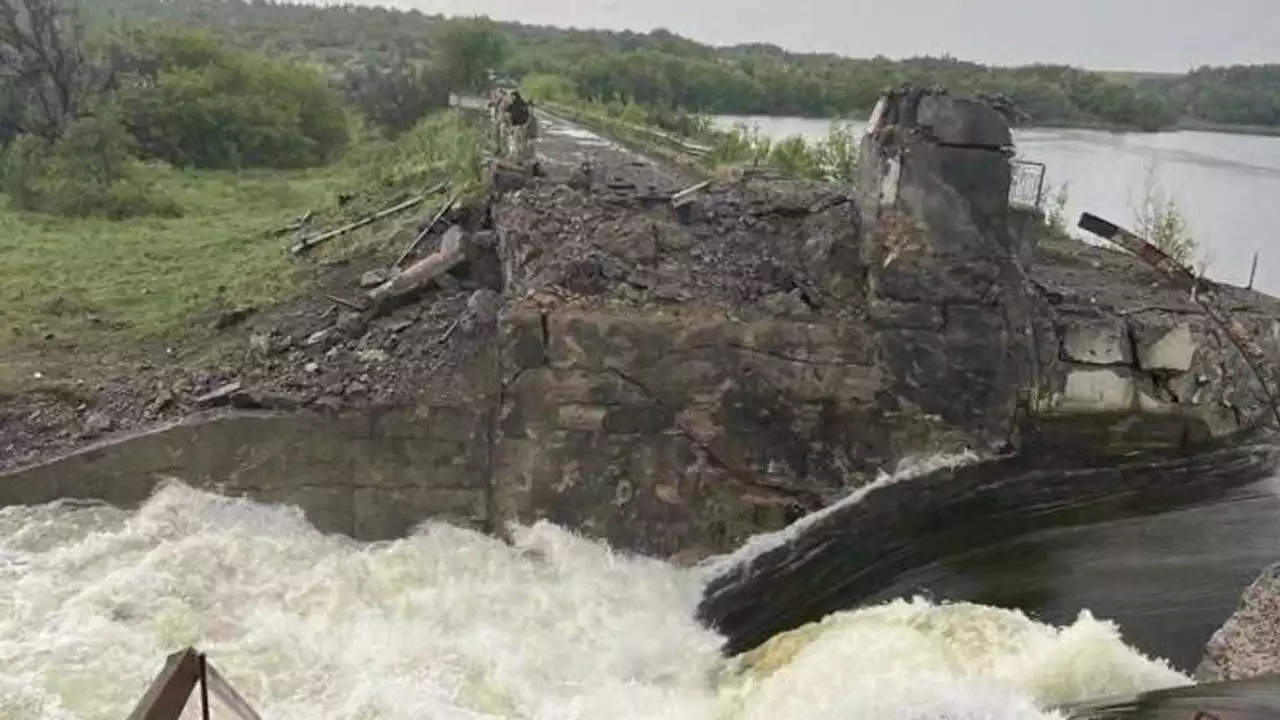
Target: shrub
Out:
[395,98]
[197,104]
[443,146]
[1160,220]
[89,170]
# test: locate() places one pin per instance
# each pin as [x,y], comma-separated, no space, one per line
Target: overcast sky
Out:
[1162,35]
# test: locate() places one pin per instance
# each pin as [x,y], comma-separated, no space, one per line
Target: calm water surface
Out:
[1227,185]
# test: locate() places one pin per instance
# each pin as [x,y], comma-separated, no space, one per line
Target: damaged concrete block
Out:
[1166,349]
[1097,344]
[962,121]
[1098,391]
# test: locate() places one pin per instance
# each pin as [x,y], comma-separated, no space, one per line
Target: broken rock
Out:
[418,276]
[1246,645]
[1097,344]
[1166,349]
[482,309]
[1098,391]
[374,278]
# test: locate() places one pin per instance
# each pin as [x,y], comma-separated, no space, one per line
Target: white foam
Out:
[758,545]
[450,624]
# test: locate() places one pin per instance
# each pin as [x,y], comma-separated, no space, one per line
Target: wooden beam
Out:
[227,695]
[167,696]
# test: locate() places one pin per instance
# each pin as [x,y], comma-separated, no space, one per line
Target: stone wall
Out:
[671,433]
[371,477]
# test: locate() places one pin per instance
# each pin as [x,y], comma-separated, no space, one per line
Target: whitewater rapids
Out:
[449,624]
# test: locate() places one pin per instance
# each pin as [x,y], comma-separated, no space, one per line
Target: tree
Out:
[48,79]
[467,51]
[196,103]
[396,97]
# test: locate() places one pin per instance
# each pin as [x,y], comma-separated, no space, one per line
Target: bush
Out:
[397,97]
[89,170]
[549,88]
[199,105]
[1160,220]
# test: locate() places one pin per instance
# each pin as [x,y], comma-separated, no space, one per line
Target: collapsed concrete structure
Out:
[674,381]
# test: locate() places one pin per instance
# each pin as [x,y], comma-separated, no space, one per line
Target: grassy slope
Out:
[87,298]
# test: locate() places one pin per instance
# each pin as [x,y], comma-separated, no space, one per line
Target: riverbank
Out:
[88,299]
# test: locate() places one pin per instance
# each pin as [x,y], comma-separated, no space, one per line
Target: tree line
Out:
[664,70]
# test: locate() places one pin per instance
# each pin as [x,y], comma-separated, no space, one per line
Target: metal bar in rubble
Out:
[1264,370]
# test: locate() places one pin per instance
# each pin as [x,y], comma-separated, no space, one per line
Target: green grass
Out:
[80,298]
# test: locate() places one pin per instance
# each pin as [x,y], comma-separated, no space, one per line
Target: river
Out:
[1226,185]
[449,624]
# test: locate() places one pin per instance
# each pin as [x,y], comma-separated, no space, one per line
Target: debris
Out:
[687,194]
[351,324]
[97,423]
[416,277]
[219,396]
[399,326]
[312,367]
[295,226]
[483,306]
[1266,372]
[448,205]
[306,244]
[374,278]
[452,328]
[345,303]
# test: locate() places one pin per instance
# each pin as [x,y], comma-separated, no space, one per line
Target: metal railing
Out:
[184,671]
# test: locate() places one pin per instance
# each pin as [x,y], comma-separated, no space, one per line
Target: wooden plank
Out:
[306,244]
[681,197]
[227,695]
[167,696]
[453,199]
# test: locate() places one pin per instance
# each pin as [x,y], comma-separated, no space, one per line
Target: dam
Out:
[539,533]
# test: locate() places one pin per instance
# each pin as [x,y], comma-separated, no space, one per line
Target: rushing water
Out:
[452,624]
[1226,185]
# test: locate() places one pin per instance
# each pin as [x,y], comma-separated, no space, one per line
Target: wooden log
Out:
[417,277]
[167,695]
[684,195]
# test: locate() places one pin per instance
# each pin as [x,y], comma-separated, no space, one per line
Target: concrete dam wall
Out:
[676,380]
